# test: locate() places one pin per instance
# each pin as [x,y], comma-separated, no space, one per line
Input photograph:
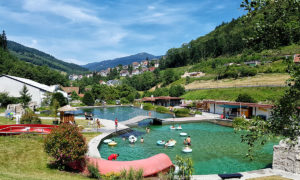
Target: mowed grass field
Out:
[260,94]
[258,80]
[23,158]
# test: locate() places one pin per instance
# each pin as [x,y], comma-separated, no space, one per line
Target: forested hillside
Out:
[40,58]
[268,25]
[11,65]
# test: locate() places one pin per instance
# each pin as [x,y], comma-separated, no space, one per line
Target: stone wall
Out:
[286,157]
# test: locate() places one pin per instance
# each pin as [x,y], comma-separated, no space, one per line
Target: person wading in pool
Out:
[113,157]
[116,124]
[189,141]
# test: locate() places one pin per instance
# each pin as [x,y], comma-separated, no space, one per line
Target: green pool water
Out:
[216,149]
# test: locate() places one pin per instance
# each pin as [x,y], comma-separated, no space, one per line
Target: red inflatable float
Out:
[151,166]
[25,128]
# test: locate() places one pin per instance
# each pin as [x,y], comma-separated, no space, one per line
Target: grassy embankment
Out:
[260,94]
[23,158]
[258,80]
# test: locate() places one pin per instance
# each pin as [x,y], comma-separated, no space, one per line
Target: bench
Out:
[229,176]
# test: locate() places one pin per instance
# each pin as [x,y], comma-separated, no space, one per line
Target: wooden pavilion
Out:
[67,114]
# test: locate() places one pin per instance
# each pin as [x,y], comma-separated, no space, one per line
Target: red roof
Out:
[135,63]
[151,69]
[161,98]
[70,89]
[297,58]
[81,95]
[240,103]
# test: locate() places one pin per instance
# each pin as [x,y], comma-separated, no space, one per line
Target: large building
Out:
[163,101]
[234,109]
[13,85]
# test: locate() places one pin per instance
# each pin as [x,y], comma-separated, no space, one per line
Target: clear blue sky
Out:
[93,30]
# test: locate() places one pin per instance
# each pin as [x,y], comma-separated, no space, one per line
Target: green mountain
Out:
[268,25]
[98,66]
[40,58]
[11,65]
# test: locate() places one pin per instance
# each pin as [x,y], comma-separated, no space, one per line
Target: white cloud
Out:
[73,13]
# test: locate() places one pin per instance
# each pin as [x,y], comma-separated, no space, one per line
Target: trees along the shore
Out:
[60,98]
[74,96]
[176,90]
[284,120]
[88,99]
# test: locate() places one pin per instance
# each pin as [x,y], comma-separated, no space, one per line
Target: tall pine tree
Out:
[3,40]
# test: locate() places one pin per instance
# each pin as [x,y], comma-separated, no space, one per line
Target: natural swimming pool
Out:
[216,149]
[123,113]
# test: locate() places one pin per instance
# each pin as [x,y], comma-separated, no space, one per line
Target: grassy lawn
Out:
[24,158]
[261,94]
[4,121]
[261,79]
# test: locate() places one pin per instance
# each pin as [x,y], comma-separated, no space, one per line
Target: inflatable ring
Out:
[106,141]
[112,143]
[187,150]
[160,142]
[183,134]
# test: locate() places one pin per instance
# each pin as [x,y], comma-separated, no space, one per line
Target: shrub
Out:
[111,176]
[30,118]
[245,98]
[162,109]
[5,99]
[132,174]
[185,166]
[239,122]
[93,171]
[131,97]
[74,96]
[182,112]
[124,101]
[187,80]
[139,174]
[60,98]
[148,106]
[66,145]
[176,91]
[198,112]
[88,99]
[111,102]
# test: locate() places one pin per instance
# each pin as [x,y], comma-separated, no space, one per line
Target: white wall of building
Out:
[13,88]
[262,111]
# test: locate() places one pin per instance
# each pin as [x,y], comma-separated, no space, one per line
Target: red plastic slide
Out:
[151,166]
[25,128]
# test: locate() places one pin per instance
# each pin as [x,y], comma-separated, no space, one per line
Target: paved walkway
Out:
[252,174]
